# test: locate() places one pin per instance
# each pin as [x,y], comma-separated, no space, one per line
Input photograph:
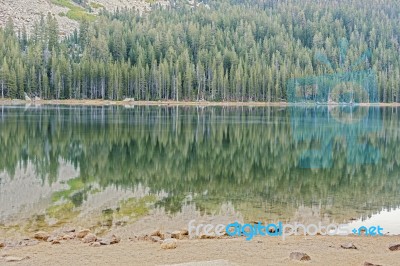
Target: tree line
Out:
[226,50]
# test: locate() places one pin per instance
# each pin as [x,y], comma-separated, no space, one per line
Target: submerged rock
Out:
[169,243]
[301,256]
[120,223]
[2,244]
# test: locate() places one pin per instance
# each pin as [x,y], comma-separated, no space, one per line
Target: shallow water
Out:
[113,165]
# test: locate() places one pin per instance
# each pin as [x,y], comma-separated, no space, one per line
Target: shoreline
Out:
[75,102]
[139,103]
[145,243]
[322,250]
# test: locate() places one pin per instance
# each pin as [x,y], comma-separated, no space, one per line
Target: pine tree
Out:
[52,32]
[4,76]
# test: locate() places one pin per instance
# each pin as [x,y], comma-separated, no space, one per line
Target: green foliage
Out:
[63,3]
[75,12]
[96,5]
[79,14]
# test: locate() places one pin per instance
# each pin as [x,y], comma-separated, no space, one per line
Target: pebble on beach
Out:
[41,235]
[177,235]
[156,239]
[394,247]
[56,242]
[301,256]
[15,259]
[348,246]
[110,240]
[89,238]
[169,243]
[371,264]
[83,233]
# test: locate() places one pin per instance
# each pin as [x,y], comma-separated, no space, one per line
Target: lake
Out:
[109,166]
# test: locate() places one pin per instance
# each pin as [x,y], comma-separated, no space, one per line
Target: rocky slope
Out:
[25,12]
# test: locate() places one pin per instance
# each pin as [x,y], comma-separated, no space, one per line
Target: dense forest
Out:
[226,50]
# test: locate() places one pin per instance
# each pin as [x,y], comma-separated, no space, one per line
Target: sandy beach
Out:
[322,250]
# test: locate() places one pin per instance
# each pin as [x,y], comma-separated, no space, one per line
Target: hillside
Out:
[227,50]
[67,12]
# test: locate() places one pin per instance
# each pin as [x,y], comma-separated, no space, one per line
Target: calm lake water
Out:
[66,163]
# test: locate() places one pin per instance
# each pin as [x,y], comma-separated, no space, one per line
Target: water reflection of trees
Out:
[237,154]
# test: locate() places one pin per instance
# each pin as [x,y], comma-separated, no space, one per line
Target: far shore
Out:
[99,102]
